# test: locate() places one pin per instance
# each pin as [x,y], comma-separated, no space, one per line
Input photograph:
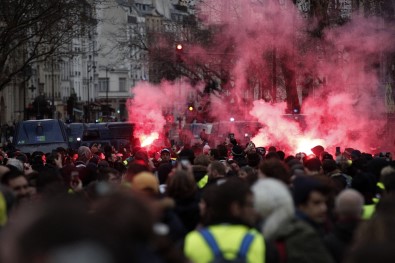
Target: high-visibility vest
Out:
[3,210]
[368,211]
[229,238]
[202,182]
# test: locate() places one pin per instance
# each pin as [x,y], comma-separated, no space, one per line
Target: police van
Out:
[40,135]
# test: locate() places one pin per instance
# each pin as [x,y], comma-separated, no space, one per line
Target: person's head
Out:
[276,169]
[109,174]
[232,166]
[165,155]
[18,183]
[55,159]
[163,171]
[274,204]
[146,183]
[272,149]
[250,147]
[15,163]
[349,204]
[317,150]
[228,202]
[181,184]
[248,173]
[174,149]
[365,183]
[214,154]
[135,167]
[281,155]
[202,160]
[329,166]
[310,196]
[388,179]
[254,159]
[312,166]
[84,154]
[216,169]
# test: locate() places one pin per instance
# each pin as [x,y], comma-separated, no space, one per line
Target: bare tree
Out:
[33,30]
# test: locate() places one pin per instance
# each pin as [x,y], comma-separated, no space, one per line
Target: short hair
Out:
[11,175]
[135,167]
[219,198]
[218,166]
[253,159]
[202,159]
[181,185]
[303,186]
[275,168]
[312,164]
[349,203]
[214,153]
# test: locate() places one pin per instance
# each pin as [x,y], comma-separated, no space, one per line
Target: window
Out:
[103,84]
[122,84]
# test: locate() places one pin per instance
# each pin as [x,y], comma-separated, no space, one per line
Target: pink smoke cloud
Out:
[345,103]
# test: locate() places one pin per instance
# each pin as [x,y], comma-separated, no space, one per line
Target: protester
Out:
[296,241]
[348,208]
[228,218]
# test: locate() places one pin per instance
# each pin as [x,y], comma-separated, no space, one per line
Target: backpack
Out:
[218,256]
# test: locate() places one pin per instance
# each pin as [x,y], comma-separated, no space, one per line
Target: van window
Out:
[39,132]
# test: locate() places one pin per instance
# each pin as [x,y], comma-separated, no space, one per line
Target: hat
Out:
[164,150]
[145,181]
[317,150]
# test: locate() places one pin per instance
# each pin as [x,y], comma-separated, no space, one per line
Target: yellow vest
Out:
[229,238]
[202,182]
[368,211]
[3,210]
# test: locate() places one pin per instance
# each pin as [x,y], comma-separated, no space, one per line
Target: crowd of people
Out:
[223,203]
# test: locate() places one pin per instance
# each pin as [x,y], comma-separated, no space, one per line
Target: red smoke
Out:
[345,103]
[149,104]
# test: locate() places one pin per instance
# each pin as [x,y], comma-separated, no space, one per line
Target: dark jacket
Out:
[340,239]
[302,243]
[188,211]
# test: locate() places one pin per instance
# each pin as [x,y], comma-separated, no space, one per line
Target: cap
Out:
[164,150]
[145,181]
